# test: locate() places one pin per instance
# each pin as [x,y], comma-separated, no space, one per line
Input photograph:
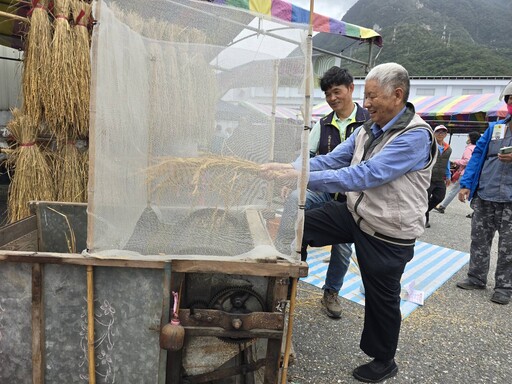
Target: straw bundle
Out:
[69,171]
[214,177]
[36,60]
[33,179]
[59,107]
[81,65]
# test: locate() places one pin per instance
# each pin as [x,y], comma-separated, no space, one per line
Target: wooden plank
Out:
[37,325]
[186,264]
[242,268]
[273,357]
[73,259]
[224,320]
[257,229]
[25,243]
[16,230]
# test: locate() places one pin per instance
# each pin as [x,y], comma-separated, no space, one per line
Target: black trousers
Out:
[381,264]
[436,193]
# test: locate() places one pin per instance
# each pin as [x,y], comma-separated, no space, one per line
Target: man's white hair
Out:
[391,76]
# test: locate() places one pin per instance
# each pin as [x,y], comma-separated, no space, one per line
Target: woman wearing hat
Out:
[487,183]
[440,178]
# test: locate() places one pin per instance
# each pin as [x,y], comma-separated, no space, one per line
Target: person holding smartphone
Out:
[487,183]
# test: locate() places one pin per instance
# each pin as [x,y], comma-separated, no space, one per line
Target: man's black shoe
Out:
[439,209]
[468,284]
[376,371]
[500,298]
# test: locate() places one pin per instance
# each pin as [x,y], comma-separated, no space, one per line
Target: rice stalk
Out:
[36,62]
[71,240]
[81,65]
[59,108]
[69,173]
[85,173]
[222,178]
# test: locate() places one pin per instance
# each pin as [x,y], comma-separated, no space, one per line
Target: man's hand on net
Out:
[271,171]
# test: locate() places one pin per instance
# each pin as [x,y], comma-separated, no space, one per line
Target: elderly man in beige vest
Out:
[384,168]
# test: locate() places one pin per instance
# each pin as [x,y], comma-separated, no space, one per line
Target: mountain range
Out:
[439,37]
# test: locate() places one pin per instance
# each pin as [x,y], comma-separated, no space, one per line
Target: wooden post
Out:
[37,325]
[92,131]
[288,345]
[90,324]
[166,308]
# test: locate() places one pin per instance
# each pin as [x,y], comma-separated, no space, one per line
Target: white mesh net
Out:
[174,152]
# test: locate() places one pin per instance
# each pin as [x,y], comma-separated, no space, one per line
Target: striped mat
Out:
[430,268]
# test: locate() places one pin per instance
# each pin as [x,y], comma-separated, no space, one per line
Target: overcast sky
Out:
[332,8]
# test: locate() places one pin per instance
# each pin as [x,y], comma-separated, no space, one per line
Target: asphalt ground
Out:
[458,336]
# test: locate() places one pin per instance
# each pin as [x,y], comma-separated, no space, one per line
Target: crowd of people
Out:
[374,176]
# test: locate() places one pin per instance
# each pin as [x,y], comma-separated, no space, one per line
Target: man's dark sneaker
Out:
[376,371]
[439,209]
[500,298]
[427,225]
[331,303]
[468,284]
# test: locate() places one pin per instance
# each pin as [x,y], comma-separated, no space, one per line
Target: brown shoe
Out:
[332,304]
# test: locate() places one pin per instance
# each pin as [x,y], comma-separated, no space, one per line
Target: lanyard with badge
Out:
[498,133]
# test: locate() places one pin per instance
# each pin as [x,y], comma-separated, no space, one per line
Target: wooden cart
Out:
[59,322]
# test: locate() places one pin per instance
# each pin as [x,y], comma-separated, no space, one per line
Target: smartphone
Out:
[505,150]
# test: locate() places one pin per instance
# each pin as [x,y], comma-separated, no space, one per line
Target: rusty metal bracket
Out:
[232,321]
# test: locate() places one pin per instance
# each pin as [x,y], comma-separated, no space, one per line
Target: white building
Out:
[420,86]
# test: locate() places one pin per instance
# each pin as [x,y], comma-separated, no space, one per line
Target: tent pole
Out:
[304,175]
[303,178]
[270,185]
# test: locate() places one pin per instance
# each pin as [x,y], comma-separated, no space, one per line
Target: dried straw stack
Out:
[81,11]
[179,76]
[69,172]
[59,108]
[33,179]
[36,60]
[224,178]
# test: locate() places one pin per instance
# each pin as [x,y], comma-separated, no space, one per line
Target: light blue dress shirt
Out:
[406,153]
